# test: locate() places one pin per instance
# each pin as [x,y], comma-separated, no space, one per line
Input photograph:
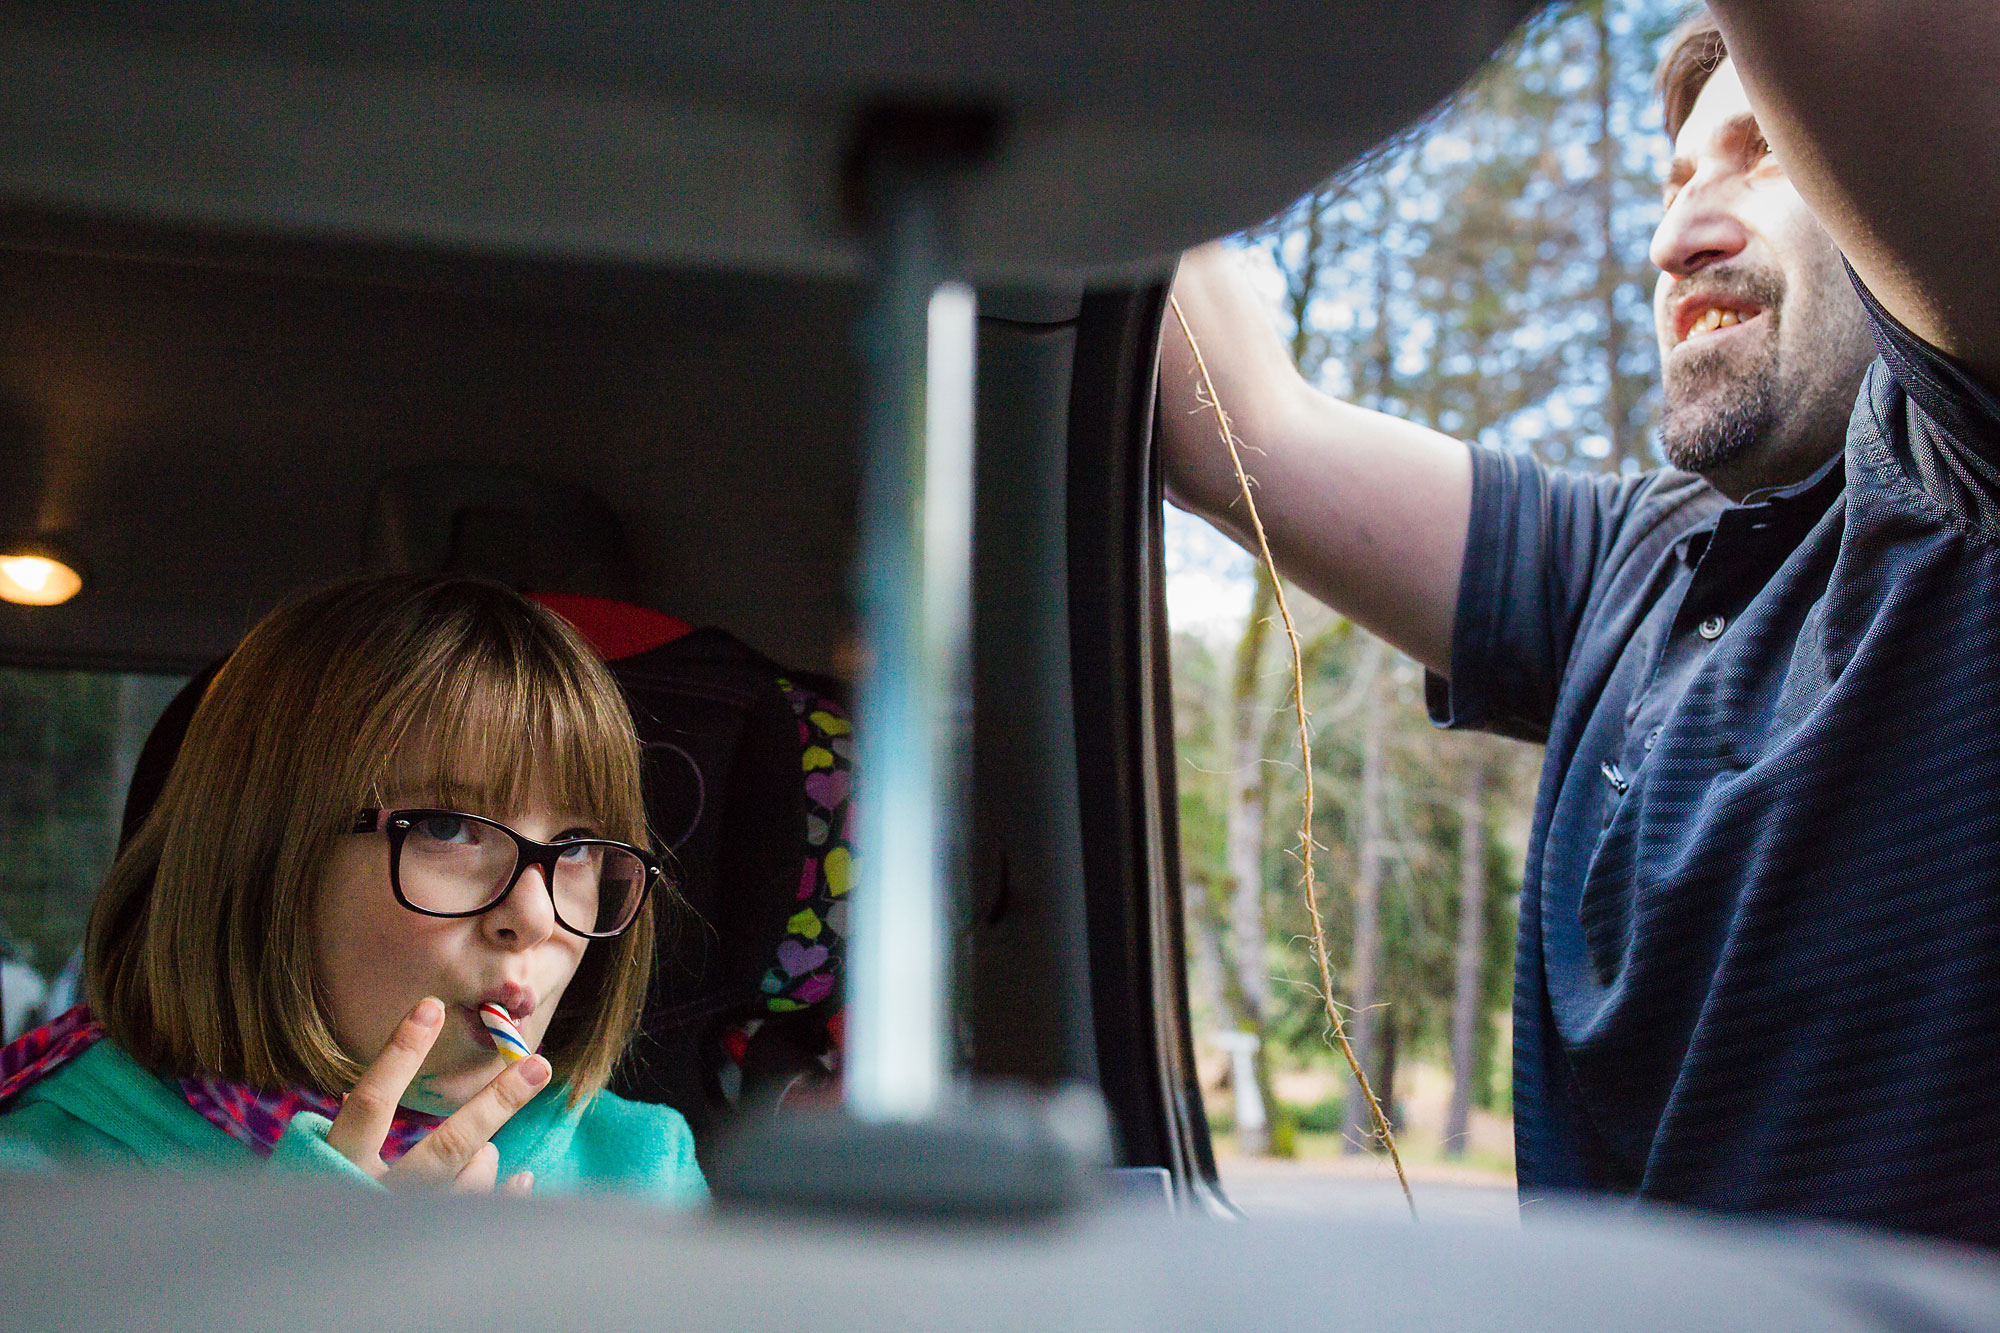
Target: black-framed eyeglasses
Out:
[447,863]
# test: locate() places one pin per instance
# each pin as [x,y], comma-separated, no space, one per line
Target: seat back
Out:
[747,769]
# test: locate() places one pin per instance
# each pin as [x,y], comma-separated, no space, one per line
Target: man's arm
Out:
[1886,115]
[1366,512]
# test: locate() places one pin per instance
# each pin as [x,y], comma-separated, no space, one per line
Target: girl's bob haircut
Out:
[201,953]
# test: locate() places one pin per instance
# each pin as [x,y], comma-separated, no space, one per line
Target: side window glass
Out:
[1485,276]
[68,743]
[1418,865]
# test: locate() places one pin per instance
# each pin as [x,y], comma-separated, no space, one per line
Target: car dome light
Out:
[32,578]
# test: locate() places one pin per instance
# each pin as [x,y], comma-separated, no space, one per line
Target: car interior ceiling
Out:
[265,275]
[719,135]
[207,438]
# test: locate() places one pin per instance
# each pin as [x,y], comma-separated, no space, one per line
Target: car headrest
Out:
[156,757]
[528,532]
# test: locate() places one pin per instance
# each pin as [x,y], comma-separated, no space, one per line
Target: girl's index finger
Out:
[369,1110]
[445,1151]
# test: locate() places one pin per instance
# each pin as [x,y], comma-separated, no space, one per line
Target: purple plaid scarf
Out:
[256,1119]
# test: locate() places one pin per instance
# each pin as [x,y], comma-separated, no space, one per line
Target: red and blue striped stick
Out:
[505,1035]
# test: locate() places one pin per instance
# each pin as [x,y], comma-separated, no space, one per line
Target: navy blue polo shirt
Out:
[1759,955]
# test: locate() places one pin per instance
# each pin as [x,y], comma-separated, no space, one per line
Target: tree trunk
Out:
[1617,397]
[1249,979]
[1302,286]
[1381,351]
[1467,1007]
[1384,1072]
[1357,1127]
[1205,965]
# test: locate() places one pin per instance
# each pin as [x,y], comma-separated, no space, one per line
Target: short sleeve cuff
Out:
[1467,698]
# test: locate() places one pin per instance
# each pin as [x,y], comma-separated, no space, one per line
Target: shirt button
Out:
[1653,737]
[1711,628]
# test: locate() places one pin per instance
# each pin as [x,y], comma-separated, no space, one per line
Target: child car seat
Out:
[747,771]
[746,774]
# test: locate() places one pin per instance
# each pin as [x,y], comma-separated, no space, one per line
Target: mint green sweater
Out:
[103,1109]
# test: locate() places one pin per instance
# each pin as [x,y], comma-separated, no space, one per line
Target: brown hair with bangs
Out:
[200,954]
[1694,52]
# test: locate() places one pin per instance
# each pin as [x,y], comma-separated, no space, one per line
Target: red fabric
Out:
[251,1117]
[615,629]
[33,1056]
[258,1119]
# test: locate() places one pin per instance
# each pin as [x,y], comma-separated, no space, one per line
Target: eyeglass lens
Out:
[456,865]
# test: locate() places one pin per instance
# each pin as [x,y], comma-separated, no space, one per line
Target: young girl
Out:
[401,799]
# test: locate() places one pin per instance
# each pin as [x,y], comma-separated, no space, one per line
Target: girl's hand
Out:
[457,1154]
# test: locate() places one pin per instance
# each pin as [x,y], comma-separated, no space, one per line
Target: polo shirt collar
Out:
[1788,511]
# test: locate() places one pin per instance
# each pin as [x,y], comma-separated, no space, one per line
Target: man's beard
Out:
[1720,405]
[1717,410]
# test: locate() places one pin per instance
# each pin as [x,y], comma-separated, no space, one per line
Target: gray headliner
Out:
[203,423]
[207,440]
[254,256]
[709,133]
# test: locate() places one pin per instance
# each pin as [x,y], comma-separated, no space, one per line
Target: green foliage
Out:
[55,840]
[1197,682]
[1322,1117]
[1284,1132]
[67,743]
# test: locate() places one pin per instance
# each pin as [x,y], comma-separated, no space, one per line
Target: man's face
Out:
[1762,338]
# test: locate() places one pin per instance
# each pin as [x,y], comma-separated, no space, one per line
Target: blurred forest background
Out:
[1485,275]
[68,741]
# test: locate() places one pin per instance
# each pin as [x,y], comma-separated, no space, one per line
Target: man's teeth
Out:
[1713,319]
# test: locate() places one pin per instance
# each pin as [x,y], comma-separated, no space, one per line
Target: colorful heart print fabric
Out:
[807,969]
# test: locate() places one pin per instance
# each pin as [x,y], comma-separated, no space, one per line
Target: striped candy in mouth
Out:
[506,1036]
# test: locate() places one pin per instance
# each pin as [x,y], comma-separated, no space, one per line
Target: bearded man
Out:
[1759,957]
